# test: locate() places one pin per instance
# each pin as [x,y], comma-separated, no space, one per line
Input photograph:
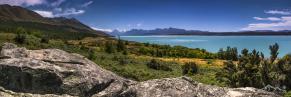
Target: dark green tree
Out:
[109,48]
[44,39]
[120,45]
[92,54]
[20,38]
[155,64]
[228,74]
[189,68]
[274,52]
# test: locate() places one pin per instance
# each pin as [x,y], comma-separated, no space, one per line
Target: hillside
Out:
[15,16]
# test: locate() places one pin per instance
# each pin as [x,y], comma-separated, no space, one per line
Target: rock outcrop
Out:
[56,73]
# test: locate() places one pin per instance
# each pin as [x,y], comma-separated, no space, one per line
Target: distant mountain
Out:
[158,31]
[176,31]
[16,16]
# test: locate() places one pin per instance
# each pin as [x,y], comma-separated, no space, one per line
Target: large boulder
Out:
[8,93]
[56,73]
[53,71]
[185,87]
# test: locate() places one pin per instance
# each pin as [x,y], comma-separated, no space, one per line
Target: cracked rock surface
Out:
[56,73]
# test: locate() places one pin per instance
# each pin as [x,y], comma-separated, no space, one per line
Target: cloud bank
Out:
[44,13]
[100,29]
[23,2]
[87,4]
[62,13]
[272,23]
[268,18]
[283,24]
[278,12]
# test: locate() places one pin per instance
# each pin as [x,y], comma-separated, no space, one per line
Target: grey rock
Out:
[8,93]
[185,87]
[56,73]
[53,71]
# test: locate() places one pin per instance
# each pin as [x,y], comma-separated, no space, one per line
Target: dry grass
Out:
[201,62]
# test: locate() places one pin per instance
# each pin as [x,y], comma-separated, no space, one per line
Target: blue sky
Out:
[207,15]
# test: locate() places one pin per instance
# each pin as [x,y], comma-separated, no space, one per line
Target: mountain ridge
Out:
[177,31]
[16,15]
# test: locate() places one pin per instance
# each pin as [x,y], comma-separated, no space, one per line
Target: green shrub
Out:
[109,48]
[154,64]
[20,38]
[44,40]
[189,68]
[92,55]
[287,94]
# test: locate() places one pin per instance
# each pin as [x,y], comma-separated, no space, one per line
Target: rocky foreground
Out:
[56,73]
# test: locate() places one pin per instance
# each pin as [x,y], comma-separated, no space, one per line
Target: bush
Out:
[287,94]
[154,64]
[44,40]
[109,48]
[20,38]
[189,68]
[92,55]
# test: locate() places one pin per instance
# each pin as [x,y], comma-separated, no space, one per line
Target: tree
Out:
[20,35]
[20,38]
[109,48]
[220,53]
[253,70]
[44,39]
[274,52]
[154,64]
[120,45]
[228,74]
[189,68]
[229,54]
[92,55]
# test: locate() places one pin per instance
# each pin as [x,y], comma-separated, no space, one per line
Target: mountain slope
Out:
[15,16]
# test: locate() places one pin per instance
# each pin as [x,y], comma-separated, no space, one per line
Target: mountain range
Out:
[16,16]
[177,31]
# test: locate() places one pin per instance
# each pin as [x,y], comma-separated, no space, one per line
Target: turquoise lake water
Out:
[213,43]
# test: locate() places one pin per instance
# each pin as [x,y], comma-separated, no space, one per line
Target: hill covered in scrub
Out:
[56,73]
[12,17]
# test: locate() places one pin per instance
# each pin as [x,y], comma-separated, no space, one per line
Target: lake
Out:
[213,43]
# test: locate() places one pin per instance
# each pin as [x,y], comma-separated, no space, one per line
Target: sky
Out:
[206,15]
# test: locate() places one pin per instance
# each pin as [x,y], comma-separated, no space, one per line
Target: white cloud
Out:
[45,13]
[139,24]
[268,18]
[23,2]
[100,29]
[67,12]
[121,30]
[70,11]
[278,12]
[57,2]
[58,9]
[87,4]
[284,24]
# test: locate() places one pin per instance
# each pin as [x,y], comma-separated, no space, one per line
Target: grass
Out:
[135,68]
[129,66]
